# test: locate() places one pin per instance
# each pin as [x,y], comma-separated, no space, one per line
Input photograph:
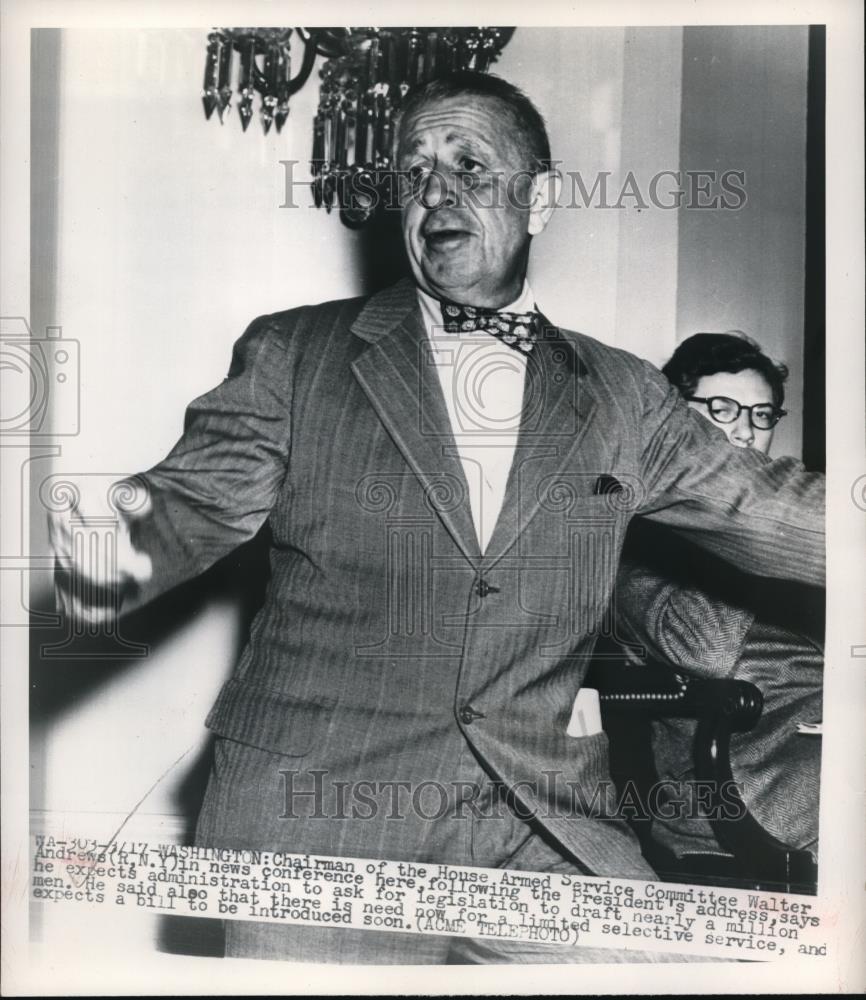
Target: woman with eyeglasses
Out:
[698,616]
[728,379]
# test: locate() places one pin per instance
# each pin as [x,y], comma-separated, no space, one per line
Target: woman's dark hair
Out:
[709,353]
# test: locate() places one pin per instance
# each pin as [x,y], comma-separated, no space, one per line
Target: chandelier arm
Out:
[300,78]
[307,63]
[329,42]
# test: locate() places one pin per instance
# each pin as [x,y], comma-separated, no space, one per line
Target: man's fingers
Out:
[61,589]
[131,497]
[81,551]
[90,614]
[89,533]
[93,567]
[81,600]
[59,535]
[132,563]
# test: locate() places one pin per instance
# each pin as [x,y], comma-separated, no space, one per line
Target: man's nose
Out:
[439,189]
[743,433]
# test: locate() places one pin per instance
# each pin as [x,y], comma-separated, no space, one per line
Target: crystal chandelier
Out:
[366,76]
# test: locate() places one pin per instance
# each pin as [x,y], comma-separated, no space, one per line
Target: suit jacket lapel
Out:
[396,372]
[558,406]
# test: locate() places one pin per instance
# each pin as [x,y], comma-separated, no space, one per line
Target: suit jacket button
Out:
[483,588]
[468,715]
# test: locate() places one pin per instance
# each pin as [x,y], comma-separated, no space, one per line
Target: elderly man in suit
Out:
[447,479]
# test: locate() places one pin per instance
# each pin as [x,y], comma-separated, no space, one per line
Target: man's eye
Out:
[471,166]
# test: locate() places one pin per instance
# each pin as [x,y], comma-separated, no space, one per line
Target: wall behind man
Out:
[170,237]
[744,108]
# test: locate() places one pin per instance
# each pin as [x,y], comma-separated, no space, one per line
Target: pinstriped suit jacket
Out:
[375,636]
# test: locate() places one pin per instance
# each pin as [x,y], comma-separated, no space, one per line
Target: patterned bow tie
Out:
[517,330]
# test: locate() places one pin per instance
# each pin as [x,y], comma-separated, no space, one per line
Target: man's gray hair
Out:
[529,127]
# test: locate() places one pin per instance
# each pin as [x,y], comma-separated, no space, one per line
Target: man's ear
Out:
[545,192]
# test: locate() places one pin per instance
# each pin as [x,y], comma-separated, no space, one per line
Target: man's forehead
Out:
[452,118]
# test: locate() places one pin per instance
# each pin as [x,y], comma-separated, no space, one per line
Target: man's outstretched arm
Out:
[766,517]
[210,494]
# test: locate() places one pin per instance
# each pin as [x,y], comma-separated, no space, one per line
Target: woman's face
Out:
[746,388]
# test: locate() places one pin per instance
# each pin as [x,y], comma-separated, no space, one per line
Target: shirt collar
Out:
[431,311]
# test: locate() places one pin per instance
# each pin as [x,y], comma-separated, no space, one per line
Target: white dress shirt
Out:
[482,381]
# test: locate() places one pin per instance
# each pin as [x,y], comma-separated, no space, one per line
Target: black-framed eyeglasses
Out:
[762,416]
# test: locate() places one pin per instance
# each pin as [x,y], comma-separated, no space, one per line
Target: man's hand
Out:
[95,559]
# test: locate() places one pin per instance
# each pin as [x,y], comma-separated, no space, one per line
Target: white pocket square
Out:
[585,714]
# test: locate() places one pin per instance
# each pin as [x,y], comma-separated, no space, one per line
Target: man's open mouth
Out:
[439,239]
